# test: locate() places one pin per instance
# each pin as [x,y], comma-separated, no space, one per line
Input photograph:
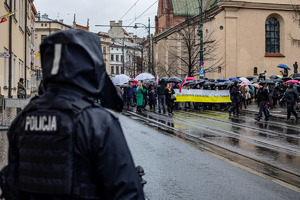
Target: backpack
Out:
[40,122]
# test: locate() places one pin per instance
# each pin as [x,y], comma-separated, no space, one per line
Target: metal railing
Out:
[12,103]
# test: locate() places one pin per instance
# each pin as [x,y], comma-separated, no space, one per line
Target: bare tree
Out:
[190,49]
[296,19]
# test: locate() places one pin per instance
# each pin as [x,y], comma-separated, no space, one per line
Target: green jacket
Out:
[139,96]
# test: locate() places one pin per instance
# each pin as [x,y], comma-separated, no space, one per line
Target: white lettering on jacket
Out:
[40,123]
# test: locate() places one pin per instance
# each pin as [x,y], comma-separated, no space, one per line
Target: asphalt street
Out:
[178,170]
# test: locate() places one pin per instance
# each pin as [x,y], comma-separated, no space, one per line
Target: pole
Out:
[149,51]
[10,52]
[123,60]
[201,40]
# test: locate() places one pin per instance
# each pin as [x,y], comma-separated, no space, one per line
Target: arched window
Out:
[255,71]
[272,35]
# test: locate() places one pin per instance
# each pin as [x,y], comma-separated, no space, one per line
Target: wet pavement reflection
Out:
[274,143]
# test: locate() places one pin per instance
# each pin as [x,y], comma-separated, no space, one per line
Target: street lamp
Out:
[149,50]
[201,72]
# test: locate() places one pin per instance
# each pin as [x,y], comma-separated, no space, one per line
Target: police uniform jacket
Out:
[96,162]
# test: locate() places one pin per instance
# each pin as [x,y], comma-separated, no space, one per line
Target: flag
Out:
[37,55]
[5,17]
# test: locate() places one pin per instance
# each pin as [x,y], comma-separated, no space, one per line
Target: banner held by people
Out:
[204,96]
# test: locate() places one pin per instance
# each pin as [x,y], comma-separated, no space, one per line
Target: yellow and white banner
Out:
[203,96]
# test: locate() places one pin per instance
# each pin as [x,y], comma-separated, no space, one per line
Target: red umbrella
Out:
[190,79]
[134,81]
[293,81]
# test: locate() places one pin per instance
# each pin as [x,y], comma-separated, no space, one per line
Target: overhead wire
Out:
[129,9]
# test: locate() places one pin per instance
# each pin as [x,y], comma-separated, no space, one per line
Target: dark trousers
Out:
[145,102]
[263,108]
[162,102]
[290,110]
[170,104]
[152,103]
[235,107]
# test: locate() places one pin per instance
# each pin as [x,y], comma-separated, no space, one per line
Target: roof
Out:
[191,7]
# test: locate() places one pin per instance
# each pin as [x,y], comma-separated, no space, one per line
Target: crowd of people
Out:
[267,95]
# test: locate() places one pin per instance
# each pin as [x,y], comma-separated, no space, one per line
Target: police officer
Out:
[67,146]
[291,95]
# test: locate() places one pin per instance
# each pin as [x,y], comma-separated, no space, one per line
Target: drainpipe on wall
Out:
[10,51]
[25,60]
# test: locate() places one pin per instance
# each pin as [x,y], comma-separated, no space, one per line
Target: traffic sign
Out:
[201,72]
[201,62]
[4,55]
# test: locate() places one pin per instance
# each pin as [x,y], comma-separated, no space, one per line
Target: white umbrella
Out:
[120,79]
[144,76]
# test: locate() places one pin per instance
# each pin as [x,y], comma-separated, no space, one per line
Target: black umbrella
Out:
[174,80]
[199,82]
[124,86]
[219,84]
[189,82]
[277,80]
[286,78]
[211,80]
[293,76]
[270,82]
[297,78]
[208,83]
[273,77]
[250,78]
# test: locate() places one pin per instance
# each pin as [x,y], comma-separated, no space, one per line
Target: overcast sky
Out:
[100,12]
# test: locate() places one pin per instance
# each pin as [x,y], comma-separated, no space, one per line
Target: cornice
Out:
[255,5]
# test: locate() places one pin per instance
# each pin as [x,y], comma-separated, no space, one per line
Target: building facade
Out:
[240,38]
[125,51]
[16,41]
[44,26]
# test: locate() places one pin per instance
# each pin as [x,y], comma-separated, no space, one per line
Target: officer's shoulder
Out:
[103,112]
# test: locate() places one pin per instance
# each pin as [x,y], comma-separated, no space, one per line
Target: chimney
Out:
[61,21]
[45,16]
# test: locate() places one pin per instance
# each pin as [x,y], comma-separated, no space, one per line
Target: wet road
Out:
[176,170]
[271,147]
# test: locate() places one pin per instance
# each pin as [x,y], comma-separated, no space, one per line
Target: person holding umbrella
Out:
[235,98]
[263,98]
[291,95]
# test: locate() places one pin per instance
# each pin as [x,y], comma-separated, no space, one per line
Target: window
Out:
[104,50]
[117,70]
[112,71]
[112,57]
[122,70]
[21,13]
[21,70]
[255,71]
[42,24]
[46,24]
[14,65]
[43,37]
[219,69]
[117,57]
[5,69]
[272,35]
[121,58]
